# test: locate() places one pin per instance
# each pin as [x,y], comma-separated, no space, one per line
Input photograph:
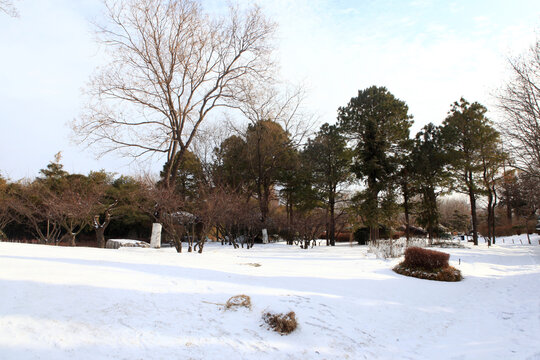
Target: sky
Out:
[427,53]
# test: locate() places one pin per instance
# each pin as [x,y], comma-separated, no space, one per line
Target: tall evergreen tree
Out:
[230,169]
[330,161]
[431,176]
[268,153]
[378,124]
[298,191]
[408,191]
[54,176]
[492,158]
[189,176]
[466,132]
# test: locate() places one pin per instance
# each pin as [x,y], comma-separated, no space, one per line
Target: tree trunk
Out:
[490,217]
[289,208]
[172,171]
[405,189]
[494,190]
[432,217]
[72,240]
[327,227]
[332,204]
[374,206]
[264,207]
[507,196]
[178,244]
[472,199]
[100,237]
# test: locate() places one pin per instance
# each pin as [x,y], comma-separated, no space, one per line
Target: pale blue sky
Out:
[428,53]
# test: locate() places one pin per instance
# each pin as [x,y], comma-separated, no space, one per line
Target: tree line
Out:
[173,65]
[258,178]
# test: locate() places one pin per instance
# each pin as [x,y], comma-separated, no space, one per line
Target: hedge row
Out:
[416,257]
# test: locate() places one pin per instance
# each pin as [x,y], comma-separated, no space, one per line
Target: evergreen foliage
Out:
[378,125]
[431,176]
[466,132]
[329,160]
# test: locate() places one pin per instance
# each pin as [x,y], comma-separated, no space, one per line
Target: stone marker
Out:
[155,240]
[264,236]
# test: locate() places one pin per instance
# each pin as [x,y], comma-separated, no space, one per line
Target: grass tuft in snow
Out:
[252,264]
[238,301]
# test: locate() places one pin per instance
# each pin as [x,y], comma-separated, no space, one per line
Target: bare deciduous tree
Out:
[7,7]
[309,225]
[172,64]
[6,214]
[163,205]
[100,226]
[31,208]
[74,207]
[261,102]
[519,100]
[454,213]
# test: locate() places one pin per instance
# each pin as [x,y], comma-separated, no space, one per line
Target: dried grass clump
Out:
[238,301]
[252,264]
[429,260]
[281,323]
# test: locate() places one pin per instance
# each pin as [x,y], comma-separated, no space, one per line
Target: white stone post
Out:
[264,236]
[155,240]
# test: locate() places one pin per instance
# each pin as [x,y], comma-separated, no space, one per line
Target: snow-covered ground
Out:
[85,303]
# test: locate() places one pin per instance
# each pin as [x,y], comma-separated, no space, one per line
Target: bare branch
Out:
[171,66]
[7,7]
[519,101]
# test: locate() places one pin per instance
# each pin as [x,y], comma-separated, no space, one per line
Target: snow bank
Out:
[85,303]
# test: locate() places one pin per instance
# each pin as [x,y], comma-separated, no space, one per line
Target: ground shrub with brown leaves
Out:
[281,323]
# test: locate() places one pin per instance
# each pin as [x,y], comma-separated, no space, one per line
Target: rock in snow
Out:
[118,243]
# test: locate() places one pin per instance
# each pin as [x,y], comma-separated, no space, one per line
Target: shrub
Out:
[416,257]
[281,323]
[448,273]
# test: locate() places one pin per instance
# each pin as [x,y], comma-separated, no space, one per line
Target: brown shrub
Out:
[416,257]
[281,323]
[447,273]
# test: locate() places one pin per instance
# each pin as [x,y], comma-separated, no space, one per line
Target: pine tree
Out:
[378,124]
[466,132]
[430,163]
[330,161]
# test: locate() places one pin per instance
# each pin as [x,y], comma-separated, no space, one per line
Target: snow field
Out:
[134,303]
